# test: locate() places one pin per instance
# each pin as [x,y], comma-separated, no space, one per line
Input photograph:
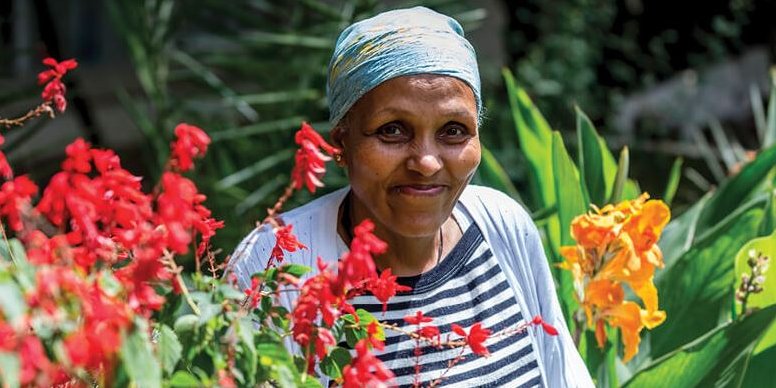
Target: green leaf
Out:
[695,290]
[12,301]
[591,163]
[623,165]
[494,175]
[296,270]
[737,189]
[333,364]
[679,234]
[262,128]
[9,370]
[168,348]
[138,358]
[186,323]
[183,379]
[760,370]
[673,181]
[209,311]
[707,360]
[571,203]
[769,139]
[255,169]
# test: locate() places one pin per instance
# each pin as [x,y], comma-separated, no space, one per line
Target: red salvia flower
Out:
[418,318]
[191,142]
[309,161]
[475,338]
[285,241]
[14,197]
[54,91]
[385,287]
[365,370]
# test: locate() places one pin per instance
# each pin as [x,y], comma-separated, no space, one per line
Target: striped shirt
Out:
[468,286]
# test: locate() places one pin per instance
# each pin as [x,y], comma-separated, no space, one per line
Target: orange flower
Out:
[617,245]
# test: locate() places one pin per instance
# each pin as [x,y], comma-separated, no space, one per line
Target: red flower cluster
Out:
[326,294]
[95,217]
[191,142]
[365,370]
[309,161]
[15,196]
[54,91]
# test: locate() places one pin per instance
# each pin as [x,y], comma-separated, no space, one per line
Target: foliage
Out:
[704,332]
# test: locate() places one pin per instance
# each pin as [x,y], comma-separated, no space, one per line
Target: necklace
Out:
[347,224]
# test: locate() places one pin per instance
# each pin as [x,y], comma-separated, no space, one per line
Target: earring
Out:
[338,157]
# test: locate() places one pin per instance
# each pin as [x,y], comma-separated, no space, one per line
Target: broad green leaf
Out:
[186,323]
[737,189]
[679,234]
[695,290]
[169,348]
[183,379]
[138,359]
[9,370]
[620,180]
[706,361]
[535,139]
[760,370]
[493,174]
[591,163]
[673,181]
[571,203]
[333,364]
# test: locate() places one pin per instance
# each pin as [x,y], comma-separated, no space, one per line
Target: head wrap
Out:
[393,44]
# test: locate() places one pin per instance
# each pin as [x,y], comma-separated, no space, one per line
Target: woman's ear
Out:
[337,135]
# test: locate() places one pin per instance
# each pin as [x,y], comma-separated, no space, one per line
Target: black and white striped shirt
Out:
[466,287]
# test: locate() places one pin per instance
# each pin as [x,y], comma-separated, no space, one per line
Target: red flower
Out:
[78,158]
[5,168]
[372,331]
[365,370]
[475,339]
[54,91]
[191,142]
[309,161]
[385,287]
[417,319]
[285,241]
[14,197]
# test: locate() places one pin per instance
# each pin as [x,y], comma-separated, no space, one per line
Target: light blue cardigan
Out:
[507,228]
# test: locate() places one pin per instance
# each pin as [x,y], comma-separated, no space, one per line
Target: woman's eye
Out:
[454,132]
[392,131]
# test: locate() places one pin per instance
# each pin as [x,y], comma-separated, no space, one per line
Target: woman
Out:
[404,95]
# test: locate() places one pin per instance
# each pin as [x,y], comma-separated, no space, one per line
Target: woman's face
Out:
[411,146]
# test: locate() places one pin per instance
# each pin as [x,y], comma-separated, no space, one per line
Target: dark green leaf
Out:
[623,165]
[673,181]
[679,234]
[591,161]
[333,364]
[695,290]
[769,139]
[707,360]
[737,189]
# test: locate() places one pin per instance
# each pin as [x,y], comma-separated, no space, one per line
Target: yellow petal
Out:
[652,319]
[627,317]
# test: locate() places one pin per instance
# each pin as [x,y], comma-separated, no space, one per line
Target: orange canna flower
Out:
[617,245]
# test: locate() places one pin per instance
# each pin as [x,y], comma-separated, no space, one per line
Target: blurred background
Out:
[669,81]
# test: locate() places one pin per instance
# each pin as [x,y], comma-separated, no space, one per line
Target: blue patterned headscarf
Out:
[393,44]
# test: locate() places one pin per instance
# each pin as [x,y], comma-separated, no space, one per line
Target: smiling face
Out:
[411,146]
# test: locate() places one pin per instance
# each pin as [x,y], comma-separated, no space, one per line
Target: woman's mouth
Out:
[420,190]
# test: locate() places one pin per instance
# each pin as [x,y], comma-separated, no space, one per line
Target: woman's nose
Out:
[425,160]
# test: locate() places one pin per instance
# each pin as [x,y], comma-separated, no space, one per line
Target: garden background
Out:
[688,89]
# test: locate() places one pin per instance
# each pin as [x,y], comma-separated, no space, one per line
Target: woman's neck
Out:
[406,256]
